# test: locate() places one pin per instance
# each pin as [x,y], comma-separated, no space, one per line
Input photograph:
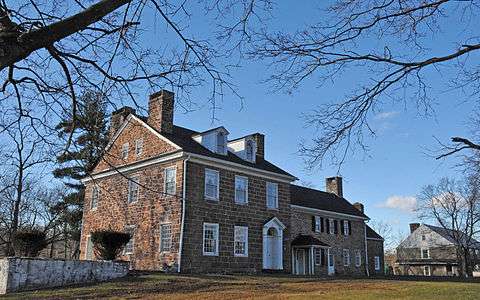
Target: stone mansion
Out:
[200,202]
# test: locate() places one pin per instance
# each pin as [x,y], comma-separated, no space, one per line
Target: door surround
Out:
[273,244]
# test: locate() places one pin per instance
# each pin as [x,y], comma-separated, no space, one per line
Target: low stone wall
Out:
[20,274]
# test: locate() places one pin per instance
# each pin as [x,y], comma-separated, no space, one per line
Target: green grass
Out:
[161,286]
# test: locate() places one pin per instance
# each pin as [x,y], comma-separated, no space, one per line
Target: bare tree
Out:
[455,206]
[388,43]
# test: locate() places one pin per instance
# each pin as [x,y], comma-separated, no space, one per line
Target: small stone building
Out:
[198,202]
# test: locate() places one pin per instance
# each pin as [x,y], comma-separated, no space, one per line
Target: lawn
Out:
[161,286]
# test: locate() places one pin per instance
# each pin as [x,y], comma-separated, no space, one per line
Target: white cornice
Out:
[326,212]
[134,166]
[227,165]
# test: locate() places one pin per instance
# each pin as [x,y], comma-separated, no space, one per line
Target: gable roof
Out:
[308,240]
[311,198]
[183,138]
[448,233]
[372,234]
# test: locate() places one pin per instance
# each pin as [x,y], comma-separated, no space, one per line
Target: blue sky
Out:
[398,164]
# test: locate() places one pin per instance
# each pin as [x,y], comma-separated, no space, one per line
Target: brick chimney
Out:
[359,206]
[260,141]
[334,185]
[117,119]
[414,226]
[160,111]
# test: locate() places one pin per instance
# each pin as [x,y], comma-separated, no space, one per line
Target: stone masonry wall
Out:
[375,248]
[152,209]
[302,223]
[20,274]
[227,214]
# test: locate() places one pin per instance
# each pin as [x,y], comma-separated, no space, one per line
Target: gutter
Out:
[366,249]
[182,226]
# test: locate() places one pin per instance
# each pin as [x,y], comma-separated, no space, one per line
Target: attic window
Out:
[220,142]
[249,150]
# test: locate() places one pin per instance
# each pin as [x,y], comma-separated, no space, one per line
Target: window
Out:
[318,256]
[132,189]
[170,180]
[318,224]
[423,237]
[89,252]
[240,241]
[210,239]
[221,143]
[346,257]
[138,147]
[165,237]
[425,253]
[249,150]
[125,151]
[272,195]
[95,196]
[129,246]
[377,262]
[241,190]
[331,226]
[346,227]
[426,270]
[358,258]
[211,184]
[449,268]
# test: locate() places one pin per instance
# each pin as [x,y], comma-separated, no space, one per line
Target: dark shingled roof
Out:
[372,234]
[316,199]
[183,138]
[307,240]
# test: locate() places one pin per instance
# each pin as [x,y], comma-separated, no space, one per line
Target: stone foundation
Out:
[21,274]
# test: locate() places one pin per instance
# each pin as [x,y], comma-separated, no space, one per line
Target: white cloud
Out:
[403,203]
[386,115]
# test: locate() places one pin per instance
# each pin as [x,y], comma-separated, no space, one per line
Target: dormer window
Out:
[249,150]
[220,142]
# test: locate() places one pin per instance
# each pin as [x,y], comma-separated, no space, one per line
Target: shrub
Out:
[29,242]
[108,244]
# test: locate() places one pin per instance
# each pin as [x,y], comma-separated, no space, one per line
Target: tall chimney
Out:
[260,141]
[160,111]
[334,185]
[414,226]
[359,206]
[117,119]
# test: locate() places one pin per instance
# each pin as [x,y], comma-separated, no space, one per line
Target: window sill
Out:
[241,203]
[210,254]
[93,209]
[240,255]
[211,199]
[132,202]
[272,208]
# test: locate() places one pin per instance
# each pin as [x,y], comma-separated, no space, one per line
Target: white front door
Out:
[272,250]
[331,263]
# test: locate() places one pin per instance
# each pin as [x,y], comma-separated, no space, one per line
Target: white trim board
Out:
[326,212]
[134,166]
[227,165]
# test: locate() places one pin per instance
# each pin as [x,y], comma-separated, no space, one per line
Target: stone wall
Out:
[20,274]
[375,248]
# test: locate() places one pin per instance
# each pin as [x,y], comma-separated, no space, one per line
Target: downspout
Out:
[182,226]
[366,249]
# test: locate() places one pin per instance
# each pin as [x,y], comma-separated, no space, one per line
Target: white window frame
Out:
[424,237]
[245,241]
[130,229]
[273,184]
[425,268]
[89,242]
[249,146]
[125,151]
[318,225]
[358,258]
[162,238]
[376,260]
[174,168]
[133,180]
[217,174]
[216,235]
[332,226]
[221,145]
[346,257]
[138,147]
[95,197]
[239,178]
[345,227]
[318,256]
[421,253]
